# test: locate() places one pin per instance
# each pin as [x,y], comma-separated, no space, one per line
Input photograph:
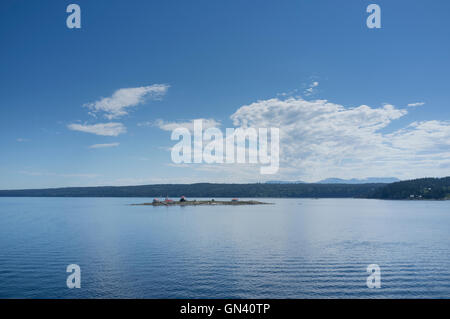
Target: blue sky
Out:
[212,58]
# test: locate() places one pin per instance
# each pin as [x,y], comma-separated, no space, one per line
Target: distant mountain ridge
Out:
[285,182]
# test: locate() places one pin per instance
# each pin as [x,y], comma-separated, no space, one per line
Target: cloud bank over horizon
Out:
[321,139]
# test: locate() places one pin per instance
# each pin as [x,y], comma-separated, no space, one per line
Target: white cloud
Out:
[104,145]
[311,89]
[416,104]
[105,129]
[170,126]
[319,139]
[22,140]
[118,104]
[419,137]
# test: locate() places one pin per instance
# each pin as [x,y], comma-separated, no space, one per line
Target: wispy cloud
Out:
[105,129]
[170,126]
[104,145]
[22,140]
[311,89]
[416,104]
[122,100]
[146,123]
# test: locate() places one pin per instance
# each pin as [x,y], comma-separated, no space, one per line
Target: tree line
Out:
[424,188]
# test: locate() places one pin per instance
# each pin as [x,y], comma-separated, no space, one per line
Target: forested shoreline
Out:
[425,188]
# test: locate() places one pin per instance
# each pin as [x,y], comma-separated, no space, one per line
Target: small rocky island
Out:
[184,202]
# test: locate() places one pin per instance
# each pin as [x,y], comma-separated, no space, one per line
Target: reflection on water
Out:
[297,248]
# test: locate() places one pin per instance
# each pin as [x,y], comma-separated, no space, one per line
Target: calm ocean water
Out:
[297,248]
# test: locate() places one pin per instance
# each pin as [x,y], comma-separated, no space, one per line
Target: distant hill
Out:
[334,180]
[368,180]
[206,190]
[423,188]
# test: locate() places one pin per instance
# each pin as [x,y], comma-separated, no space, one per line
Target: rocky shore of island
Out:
[184,202]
